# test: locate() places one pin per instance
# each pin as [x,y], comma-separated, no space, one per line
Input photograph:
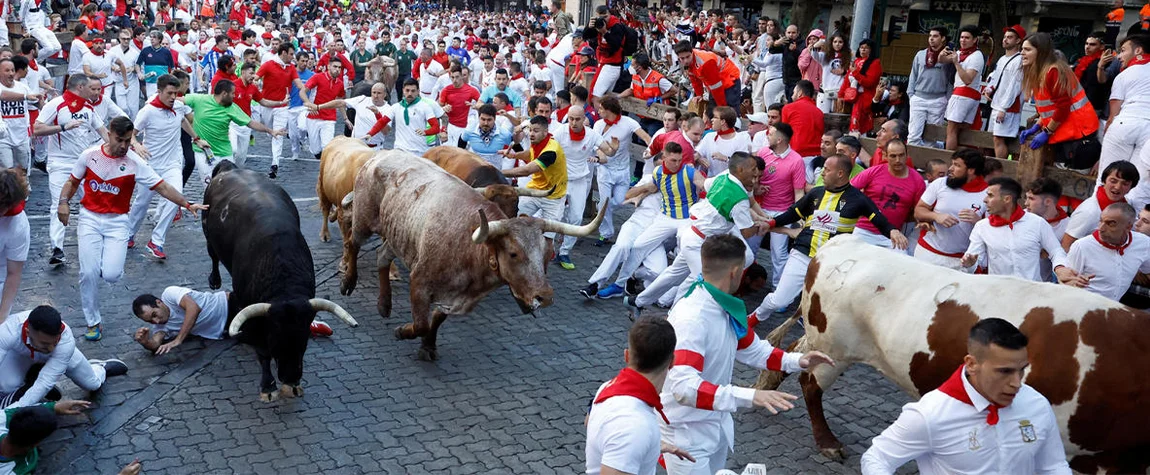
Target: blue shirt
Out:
[490,91]
[211,62]
[461,54]
[486,145]
[294,100]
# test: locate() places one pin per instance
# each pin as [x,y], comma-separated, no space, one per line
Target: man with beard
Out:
[950,208]
[486,138]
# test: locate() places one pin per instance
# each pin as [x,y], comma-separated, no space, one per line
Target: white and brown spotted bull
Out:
[909,320]
[338,164]
[458,245]
[484,177]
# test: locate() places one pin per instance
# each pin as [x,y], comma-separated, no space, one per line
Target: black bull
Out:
[253,227]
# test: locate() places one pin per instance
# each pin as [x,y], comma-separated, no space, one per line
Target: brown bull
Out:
[340,160]
[482,176]
[441,229]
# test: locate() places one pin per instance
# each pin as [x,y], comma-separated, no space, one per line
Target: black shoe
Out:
[632,287]
[272,174]
[589,291]
[602,241]
[40,165]
[57,257]
[112,367]
[54,394]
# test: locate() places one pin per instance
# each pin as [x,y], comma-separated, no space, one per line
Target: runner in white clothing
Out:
[948,210]
[160,123]
[1003,90]
[580,145]
[178,313]
[1128,130]
[1012,240]
[97,64]
[127,91]
[963,104]
[614,177]
[717,148]
[15,145]
[416,120]
[14,236]
[108,173]
[70,126]
[36,24]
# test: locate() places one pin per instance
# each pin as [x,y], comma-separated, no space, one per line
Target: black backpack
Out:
[630,41]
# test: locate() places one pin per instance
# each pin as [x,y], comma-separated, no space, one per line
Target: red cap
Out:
[1017,29]
[267,36]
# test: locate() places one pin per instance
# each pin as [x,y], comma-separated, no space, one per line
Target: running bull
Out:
[482,176]
[865,304]
[252,226]
[459,246]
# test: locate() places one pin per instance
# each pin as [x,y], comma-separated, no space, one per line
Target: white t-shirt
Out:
[128,58]
[1132,87]
[161,132]
[725,147]
[101,64]
[15,114]
[32,80]
[1112,272]
[975,61]
[365,119]
[1085,218]
[418,116]
[427,76]
[209,323]
[70,143]
[622,433]
[623,130]
[76,56]
[945,200]
[577,153]
[14,237]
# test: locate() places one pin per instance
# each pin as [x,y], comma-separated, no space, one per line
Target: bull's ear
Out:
[492,255]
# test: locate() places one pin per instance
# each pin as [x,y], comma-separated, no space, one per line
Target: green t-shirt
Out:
[403,60]
[212,121]
[358,57]
[854,171]
[26,462]
[386,49]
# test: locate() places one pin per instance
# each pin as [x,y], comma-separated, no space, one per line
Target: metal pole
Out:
[860,26]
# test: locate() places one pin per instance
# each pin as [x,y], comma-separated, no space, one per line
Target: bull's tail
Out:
[775,337]
[772,379]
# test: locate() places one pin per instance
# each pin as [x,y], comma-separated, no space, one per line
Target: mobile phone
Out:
[950,45]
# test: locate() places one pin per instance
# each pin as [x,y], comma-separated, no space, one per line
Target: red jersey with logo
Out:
[326,90]
[245,94]
[108,182]
[277,79]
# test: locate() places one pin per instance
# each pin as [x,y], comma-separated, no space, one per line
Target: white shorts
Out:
[605,78]
[1008,128]
[543,208]
[961,109]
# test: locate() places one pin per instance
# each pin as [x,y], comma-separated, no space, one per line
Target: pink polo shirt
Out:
[895,197]
[781,176]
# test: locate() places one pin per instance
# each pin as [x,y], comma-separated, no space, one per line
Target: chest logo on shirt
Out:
[103,187]
[976,207]
[1028,434]
[972,440]
[771,169]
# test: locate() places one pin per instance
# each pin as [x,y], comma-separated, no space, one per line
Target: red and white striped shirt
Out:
[108,182]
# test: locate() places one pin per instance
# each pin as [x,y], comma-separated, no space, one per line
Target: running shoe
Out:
[602,241]
[112,367]
[611,291]
[57,257]
[319,328]
[633,311]
[94,333]
[589,291]
[132,242]
[565,262]
[275,170]
[157,251]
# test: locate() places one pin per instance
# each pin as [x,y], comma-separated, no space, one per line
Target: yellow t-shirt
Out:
[550,157]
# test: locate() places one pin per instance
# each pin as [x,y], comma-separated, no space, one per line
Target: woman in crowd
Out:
[835,58]
[1066,119]
[860,86]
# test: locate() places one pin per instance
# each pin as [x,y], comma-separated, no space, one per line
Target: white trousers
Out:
[165,211]
[558,78]
[453,134]
[773,91]
[789,286]
[319,133]
[925,111]
[1124,141]
[59,171]
[778,245]
[544,208]
[297,133]
[277,118]
[757,93]
[103,244]
[4,33]
[15,365]
[150,87]
[618,253]
[240,136]
[688,264]
[613,186]
[577,191]
[49,45]
[204,168]
[605,80]
[650,243]
[20,156]
[704,440]
[128,98]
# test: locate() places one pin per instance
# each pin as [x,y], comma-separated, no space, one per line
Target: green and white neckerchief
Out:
[406,105]
[734,306]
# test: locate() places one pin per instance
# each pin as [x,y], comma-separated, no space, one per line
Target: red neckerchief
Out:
[517,76]
[32,64]
[998,221]
[630,383]
[537,148]
[75,103]
[667,171]
[954,388]
[24,338]
[966,52]
[1084,62]
[181,41]
[894,102]
[722,132]
[1139,59]
[1061,216]
[612,122]
[562,113]
[578,136]
[218,50]
[139,44]
[15,210]
[97,54]
[974,186]
[160,105]
[1120,248]
[1104,199]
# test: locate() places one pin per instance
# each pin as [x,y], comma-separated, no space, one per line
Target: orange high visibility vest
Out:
[1082,121]
[646,88]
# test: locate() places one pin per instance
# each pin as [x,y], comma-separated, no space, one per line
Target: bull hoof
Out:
[324,237]
[270,396]
[428,354]
[288,391]
[404,332]
[347,285]
[214,281]
[394,275]
[836,454]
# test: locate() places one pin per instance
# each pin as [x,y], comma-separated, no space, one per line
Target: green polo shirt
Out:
[386,48]
[403,59]
[212,122]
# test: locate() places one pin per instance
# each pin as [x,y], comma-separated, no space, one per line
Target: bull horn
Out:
[348,199]
[559,227]
[524,191]
[251,311]
[487,229]
[325,305]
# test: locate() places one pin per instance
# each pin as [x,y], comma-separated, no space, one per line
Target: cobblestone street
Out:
[508,394]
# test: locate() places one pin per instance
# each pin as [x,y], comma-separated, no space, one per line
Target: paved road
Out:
[508,394]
